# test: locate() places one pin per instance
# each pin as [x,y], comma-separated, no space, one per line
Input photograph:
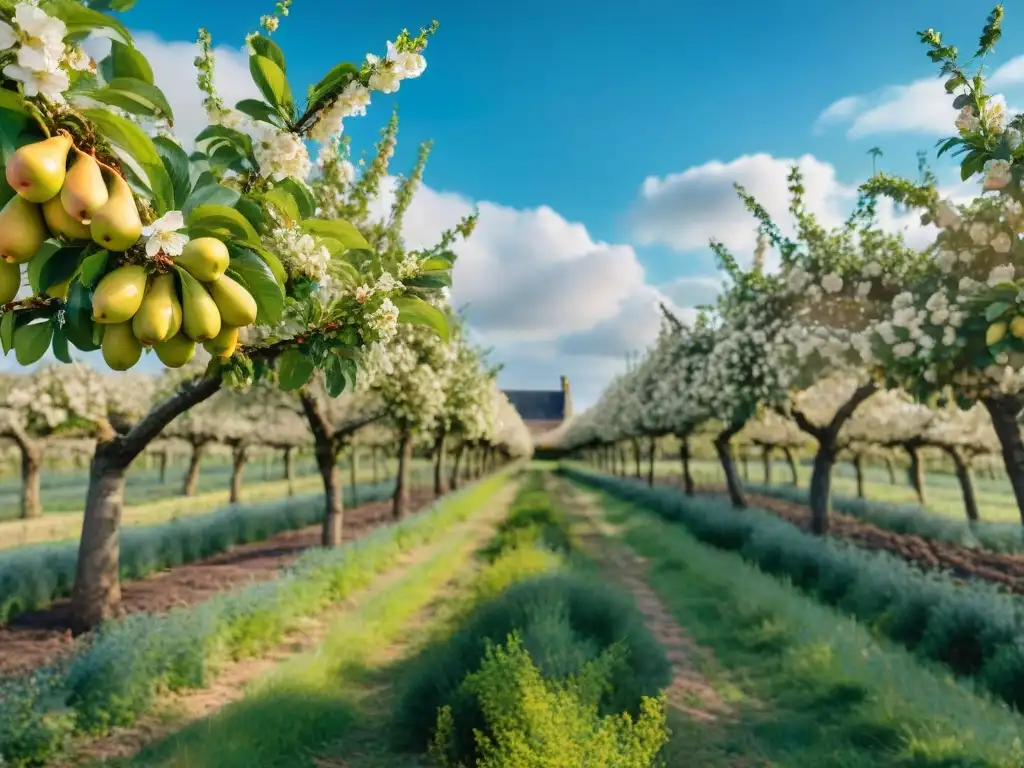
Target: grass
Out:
[810,687]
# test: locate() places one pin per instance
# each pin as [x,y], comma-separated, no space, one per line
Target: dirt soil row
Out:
[36,638]
[958,561]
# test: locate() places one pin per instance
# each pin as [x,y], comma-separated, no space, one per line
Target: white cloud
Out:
[693,291]
[839,111]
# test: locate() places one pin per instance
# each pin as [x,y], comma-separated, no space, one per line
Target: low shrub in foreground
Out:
[114,677]
[535,722]
[565,622]
[972,627]
[33,577]
[533,520]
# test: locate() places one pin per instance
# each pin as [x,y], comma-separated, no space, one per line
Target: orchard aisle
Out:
[291,704]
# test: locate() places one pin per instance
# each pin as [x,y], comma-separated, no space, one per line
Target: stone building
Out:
[545,412]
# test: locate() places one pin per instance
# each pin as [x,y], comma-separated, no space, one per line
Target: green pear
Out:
[117,226]
[10,281]
[59,290]
[121,350]
[154,322]
[200,317]
[176,351]
[84,191]
[36,171]
[60,223]
[175,317]
[119,294]
[205,258]
[22,230]
[237,306]
[224,343]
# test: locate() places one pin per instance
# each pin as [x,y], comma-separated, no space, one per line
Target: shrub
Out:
[534,722]
[533,520]
[970,627]
[512,566]
[565,621]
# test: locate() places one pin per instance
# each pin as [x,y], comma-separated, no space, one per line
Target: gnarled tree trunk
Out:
[684,457]
[636,457]
[400,501]
[652,452]
[289,468]
[456,465]
[891,470]
[31,471]
[858,470]
[192,475]
[724,451]
[162,459]
[239,457]
[915,473]
[766,460]
[963,476]
[795,476]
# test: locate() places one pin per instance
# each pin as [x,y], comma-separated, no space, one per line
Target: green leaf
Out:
[261,111]
[972,164]
[176,164]
[273,84]
[93,267]
[7,331]
[210,194]
[257,278]
[282,199]
[344,233]
[34,270]
[31,342]
[996,309]
[252,211]
[294,370]
[215,135]
[264,46]
[135,96]
[61,265]
[303,196]
[418,312]
[221,222]
[339,374]
[60,345]
[435,265]
[78,324]
[332,83]
[78,19]
[125,61]
[132,139]
[274,264]
[431,281]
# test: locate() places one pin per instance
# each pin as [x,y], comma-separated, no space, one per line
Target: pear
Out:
[84,191]
[154,322]
[224,343]
[175,317]
[59,290]
[237,306]
[995,333]
[119,294]
[1017,327]
[121,350]
[200,317]
[117,226]
[176,351]
[22,230]
[61,224]
[205,258]
[36,171]
[10,281]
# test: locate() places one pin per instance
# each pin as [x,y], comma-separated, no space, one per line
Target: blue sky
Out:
[539,104]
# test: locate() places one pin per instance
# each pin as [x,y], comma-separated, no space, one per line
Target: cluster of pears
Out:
[997,330]
[140,309]
[86,201]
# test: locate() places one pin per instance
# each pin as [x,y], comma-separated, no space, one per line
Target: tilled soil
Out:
[33,639]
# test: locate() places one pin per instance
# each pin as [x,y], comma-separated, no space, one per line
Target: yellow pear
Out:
[237,306]
[10,281]
[205,258]
[59,290]
[36,171]
[995,333]
[60,223]
[121,350]
[176,351]
[1017,326]
[84,191]
[175,317]
[200,317]
[117,226]
[224,343]
[154,322]
[22,230]
[119,294]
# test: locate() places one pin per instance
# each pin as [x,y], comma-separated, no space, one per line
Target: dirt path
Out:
[689,692]
[36,638]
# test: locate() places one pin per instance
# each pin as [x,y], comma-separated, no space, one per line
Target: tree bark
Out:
[353,475]
[652,446]
[622,460]
[400,501]
[31,471]
[966,480]
[440,477]
[766,459]
[239,457]
[97,592]
[732,480]
[891,470]
[915,472]
[684,457]
[745,464]
[374,464]
[792,466]
[162,459]
[456,465]
[636,457]
[858,469]
[289,469]
[192,476]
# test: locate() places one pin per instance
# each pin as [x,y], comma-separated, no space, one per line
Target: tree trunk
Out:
[963,475]
[192,476]
[858,469]
[792,466]
[31,471]
[766,459]
[162,459]
[456,465]
[440,477]
[623,462]
[821,482]
[745,464]
[374,465]
[331,532]
[652,445]
[916,470]
[239,456]
[289,469]
[732,480]
[400,501]
[636,457]
[891,470]
[353,475]
[684,457]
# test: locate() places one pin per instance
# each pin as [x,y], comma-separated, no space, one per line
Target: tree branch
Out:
[804,423]
[845,411]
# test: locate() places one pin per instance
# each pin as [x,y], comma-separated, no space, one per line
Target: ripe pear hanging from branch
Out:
[84,191]
[117,226]
[36,171]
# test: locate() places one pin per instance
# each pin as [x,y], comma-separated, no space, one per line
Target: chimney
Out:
[567,408]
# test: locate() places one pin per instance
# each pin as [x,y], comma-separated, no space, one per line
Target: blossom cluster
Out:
[42,60]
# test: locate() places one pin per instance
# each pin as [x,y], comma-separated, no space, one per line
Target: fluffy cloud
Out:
[693,291]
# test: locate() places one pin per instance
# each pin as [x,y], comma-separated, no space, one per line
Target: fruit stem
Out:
[38,116]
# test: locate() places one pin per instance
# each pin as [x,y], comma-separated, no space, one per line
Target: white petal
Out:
[173,220]
[8,37]
[152,247]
